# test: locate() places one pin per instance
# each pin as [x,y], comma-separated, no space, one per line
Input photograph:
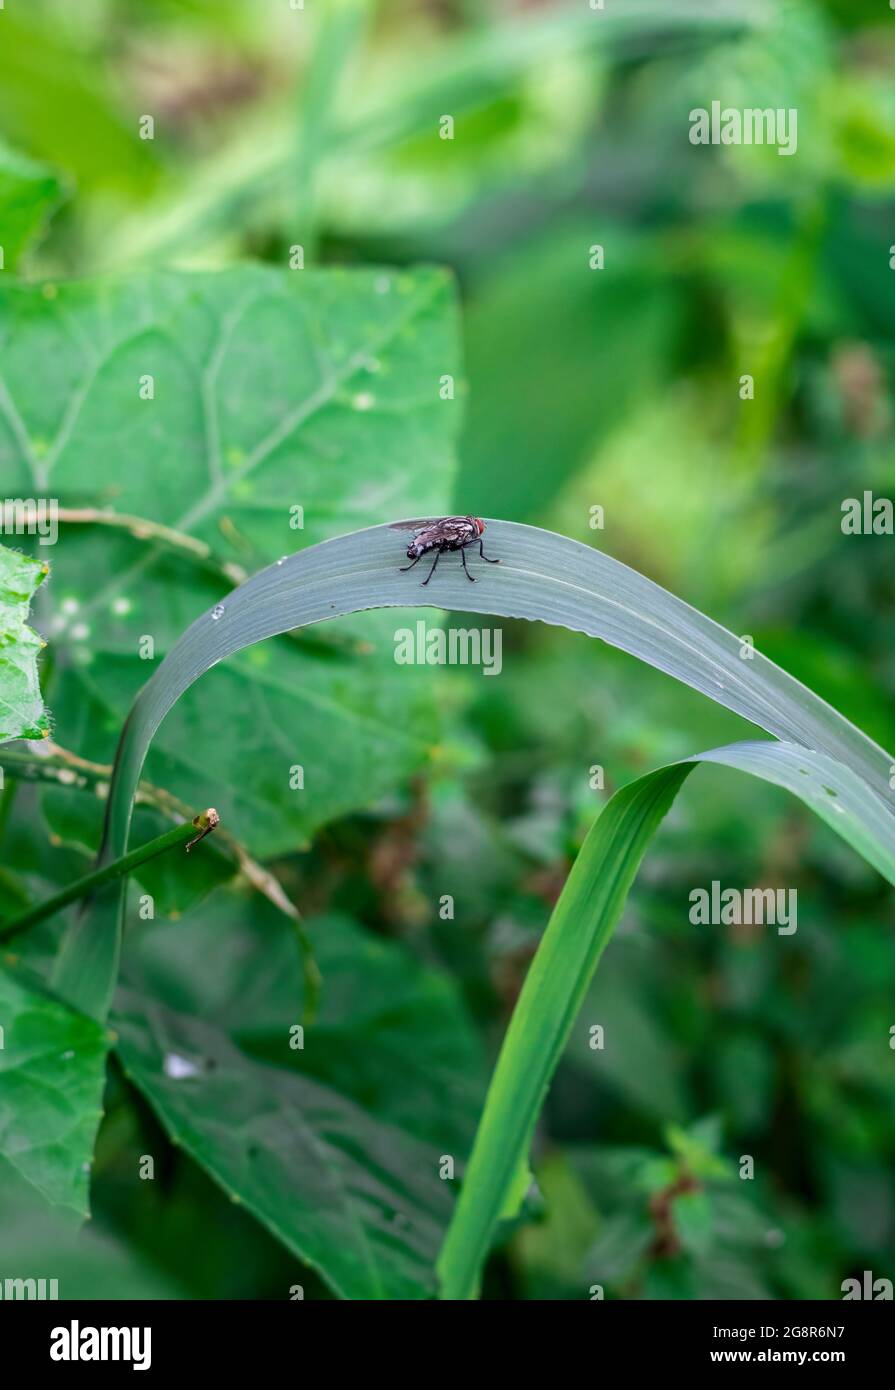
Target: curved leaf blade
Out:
[582,922]
[543,577]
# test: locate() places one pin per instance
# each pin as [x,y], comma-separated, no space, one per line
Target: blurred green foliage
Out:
[616,388]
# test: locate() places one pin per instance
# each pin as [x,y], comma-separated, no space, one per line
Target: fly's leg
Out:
[463,558]
[432,570]
[484,556]
[402,569]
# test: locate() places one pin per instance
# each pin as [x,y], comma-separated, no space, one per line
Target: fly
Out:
[440,534]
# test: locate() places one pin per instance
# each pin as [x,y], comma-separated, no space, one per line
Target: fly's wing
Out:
[444,531]
[456,531]
[422,523]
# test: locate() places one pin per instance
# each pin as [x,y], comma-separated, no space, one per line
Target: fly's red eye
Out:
[479,524]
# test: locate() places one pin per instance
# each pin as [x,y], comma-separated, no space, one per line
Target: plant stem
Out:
[203,823]
[63,768]
[145,529]
[341,31]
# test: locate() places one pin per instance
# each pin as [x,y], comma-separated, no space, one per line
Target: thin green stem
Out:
[62,768]
[342,28]
[125,865]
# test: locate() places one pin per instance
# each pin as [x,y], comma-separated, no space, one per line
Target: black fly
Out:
[441,534]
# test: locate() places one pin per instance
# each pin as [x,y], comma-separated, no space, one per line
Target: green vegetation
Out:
[252,299]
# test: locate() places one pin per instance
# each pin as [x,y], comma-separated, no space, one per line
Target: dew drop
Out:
[364,400]
[282,560]
[217,612]
[179,1068]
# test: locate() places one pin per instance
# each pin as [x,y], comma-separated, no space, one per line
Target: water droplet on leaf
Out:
[179,1068]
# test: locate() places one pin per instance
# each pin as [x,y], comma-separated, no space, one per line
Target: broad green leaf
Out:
[52,1073]
[389,1033]
[270,390]
[22,713]
[356,1199]
[28,194]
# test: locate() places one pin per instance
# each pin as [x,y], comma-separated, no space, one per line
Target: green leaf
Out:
[22,713]
[271,390]
[389,1033]
[830,764]
[52,1072]
[835,768]
[588,909]
[698,1146]
[580,926]
[356,1199]
[28,194]
[692,1214]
